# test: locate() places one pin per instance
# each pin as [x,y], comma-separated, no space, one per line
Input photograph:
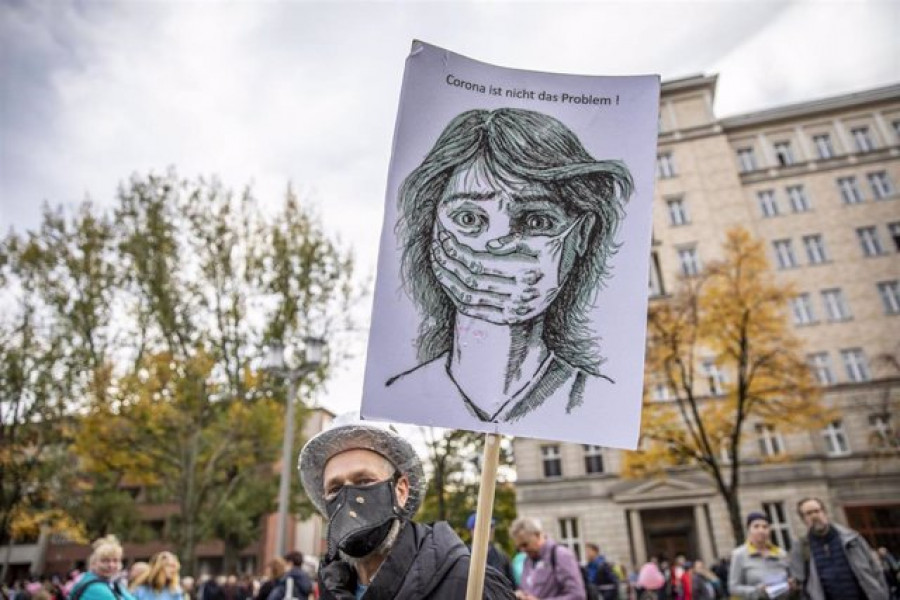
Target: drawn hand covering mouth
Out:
[506,229]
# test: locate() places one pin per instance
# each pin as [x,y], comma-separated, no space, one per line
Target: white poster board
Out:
[512,284]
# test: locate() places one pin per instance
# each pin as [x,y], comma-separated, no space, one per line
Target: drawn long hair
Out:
[514,143]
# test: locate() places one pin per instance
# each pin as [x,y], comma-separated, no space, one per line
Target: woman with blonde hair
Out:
[275,570]
[104,564]
[160,581]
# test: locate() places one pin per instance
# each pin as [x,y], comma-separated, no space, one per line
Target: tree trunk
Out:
[734,515]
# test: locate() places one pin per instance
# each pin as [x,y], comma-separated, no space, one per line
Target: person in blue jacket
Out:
[104,565]
[161,581]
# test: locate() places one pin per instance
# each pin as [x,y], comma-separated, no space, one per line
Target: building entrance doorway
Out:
[669,532]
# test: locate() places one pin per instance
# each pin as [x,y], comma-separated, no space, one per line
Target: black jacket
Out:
[428,562]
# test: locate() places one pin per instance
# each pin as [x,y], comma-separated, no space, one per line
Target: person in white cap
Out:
[368,481]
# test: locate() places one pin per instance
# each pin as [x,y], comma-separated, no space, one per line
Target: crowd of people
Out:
[368,482]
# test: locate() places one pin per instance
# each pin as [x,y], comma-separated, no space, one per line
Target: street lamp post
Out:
[275,364]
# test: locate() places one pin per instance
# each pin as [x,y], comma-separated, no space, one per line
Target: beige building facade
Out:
[818,183]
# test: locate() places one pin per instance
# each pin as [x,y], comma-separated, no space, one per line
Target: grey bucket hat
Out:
[348,432]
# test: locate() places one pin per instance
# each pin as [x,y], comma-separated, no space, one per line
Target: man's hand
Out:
[339,579]
[520,595]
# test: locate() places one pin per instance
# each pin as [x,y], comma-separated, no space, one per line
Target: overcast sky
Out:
[267,93]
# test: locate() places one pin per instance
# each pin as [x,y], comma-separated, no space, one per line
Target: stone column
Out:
[704,535]
[637,535]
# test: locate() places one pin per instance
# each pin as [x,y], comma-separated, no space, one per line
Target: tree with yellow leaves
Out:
[722,348]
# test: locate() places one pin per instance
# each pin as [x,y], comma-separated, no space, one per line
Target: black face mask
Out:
[360,518]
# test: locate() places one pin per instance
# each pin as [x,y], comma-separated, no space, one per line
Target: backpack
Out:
[593,593]
[80,588]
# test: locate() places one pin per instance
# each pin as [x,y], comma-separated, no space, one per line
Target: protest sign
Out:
[512,283]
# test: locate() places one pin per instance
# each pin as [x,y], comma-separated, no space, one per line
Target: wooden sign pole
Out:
[482,534]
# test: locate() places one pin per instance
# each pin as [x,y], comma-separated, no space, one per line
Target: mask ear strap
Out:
[395,479]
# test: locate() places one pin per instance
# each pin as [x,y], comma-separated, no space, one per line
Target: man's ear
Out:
[402,490]
[583,233]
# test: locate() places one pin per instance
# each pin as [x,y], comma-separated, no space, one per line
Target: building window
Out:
[856,365]
[815,249]
[569,536]
[869,241]
[880,431]
[799,199]
[779,530]
[678,214]
[656,282]
[894,232]
[862,139]
[552,460]
[783,154]
[715,378]
[801,307]
[881,185]
[850,193]
[770,443]
[784,254]
[890,296]
[746,160]
[661,392]
[835,439]
[768,204]
[820,363]
[823,146]
[690,261]
[665,166]
[835,306]
[593,459]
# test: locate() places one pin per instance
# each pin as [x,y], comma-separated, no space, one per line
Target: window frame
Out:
[836,441]
[824,147]
[692,266]
[551,456]
[768,204]
[862,140]
[814,244]
[784,154]
[769,440]
[869,241]
[802,309]
[836,307]
[784,253]
[665,165]
[779,528]
[678,212]
[850,192]
[593,457]
[889,292]
[820,363]
[798,198]
[856,365]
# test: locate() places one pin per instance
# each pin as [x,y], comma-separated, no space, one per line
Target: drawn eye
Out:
[468,220]
[540,223]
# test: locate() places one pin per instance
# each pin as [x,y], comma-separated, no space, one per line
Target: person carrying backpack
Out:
[295,583]
[600,574]
[551,570]
[104,565]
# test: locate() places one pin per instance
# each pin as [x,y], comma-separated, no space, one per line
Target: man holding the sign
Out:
[368,481]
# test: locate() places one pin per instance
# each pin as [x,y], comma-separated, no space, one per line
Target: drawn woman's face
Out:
[480,210]
[503,249]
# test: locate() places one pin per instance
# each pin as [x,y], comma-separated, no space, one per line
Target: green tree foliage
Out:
[733,317]
[454,478]
[150,320]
